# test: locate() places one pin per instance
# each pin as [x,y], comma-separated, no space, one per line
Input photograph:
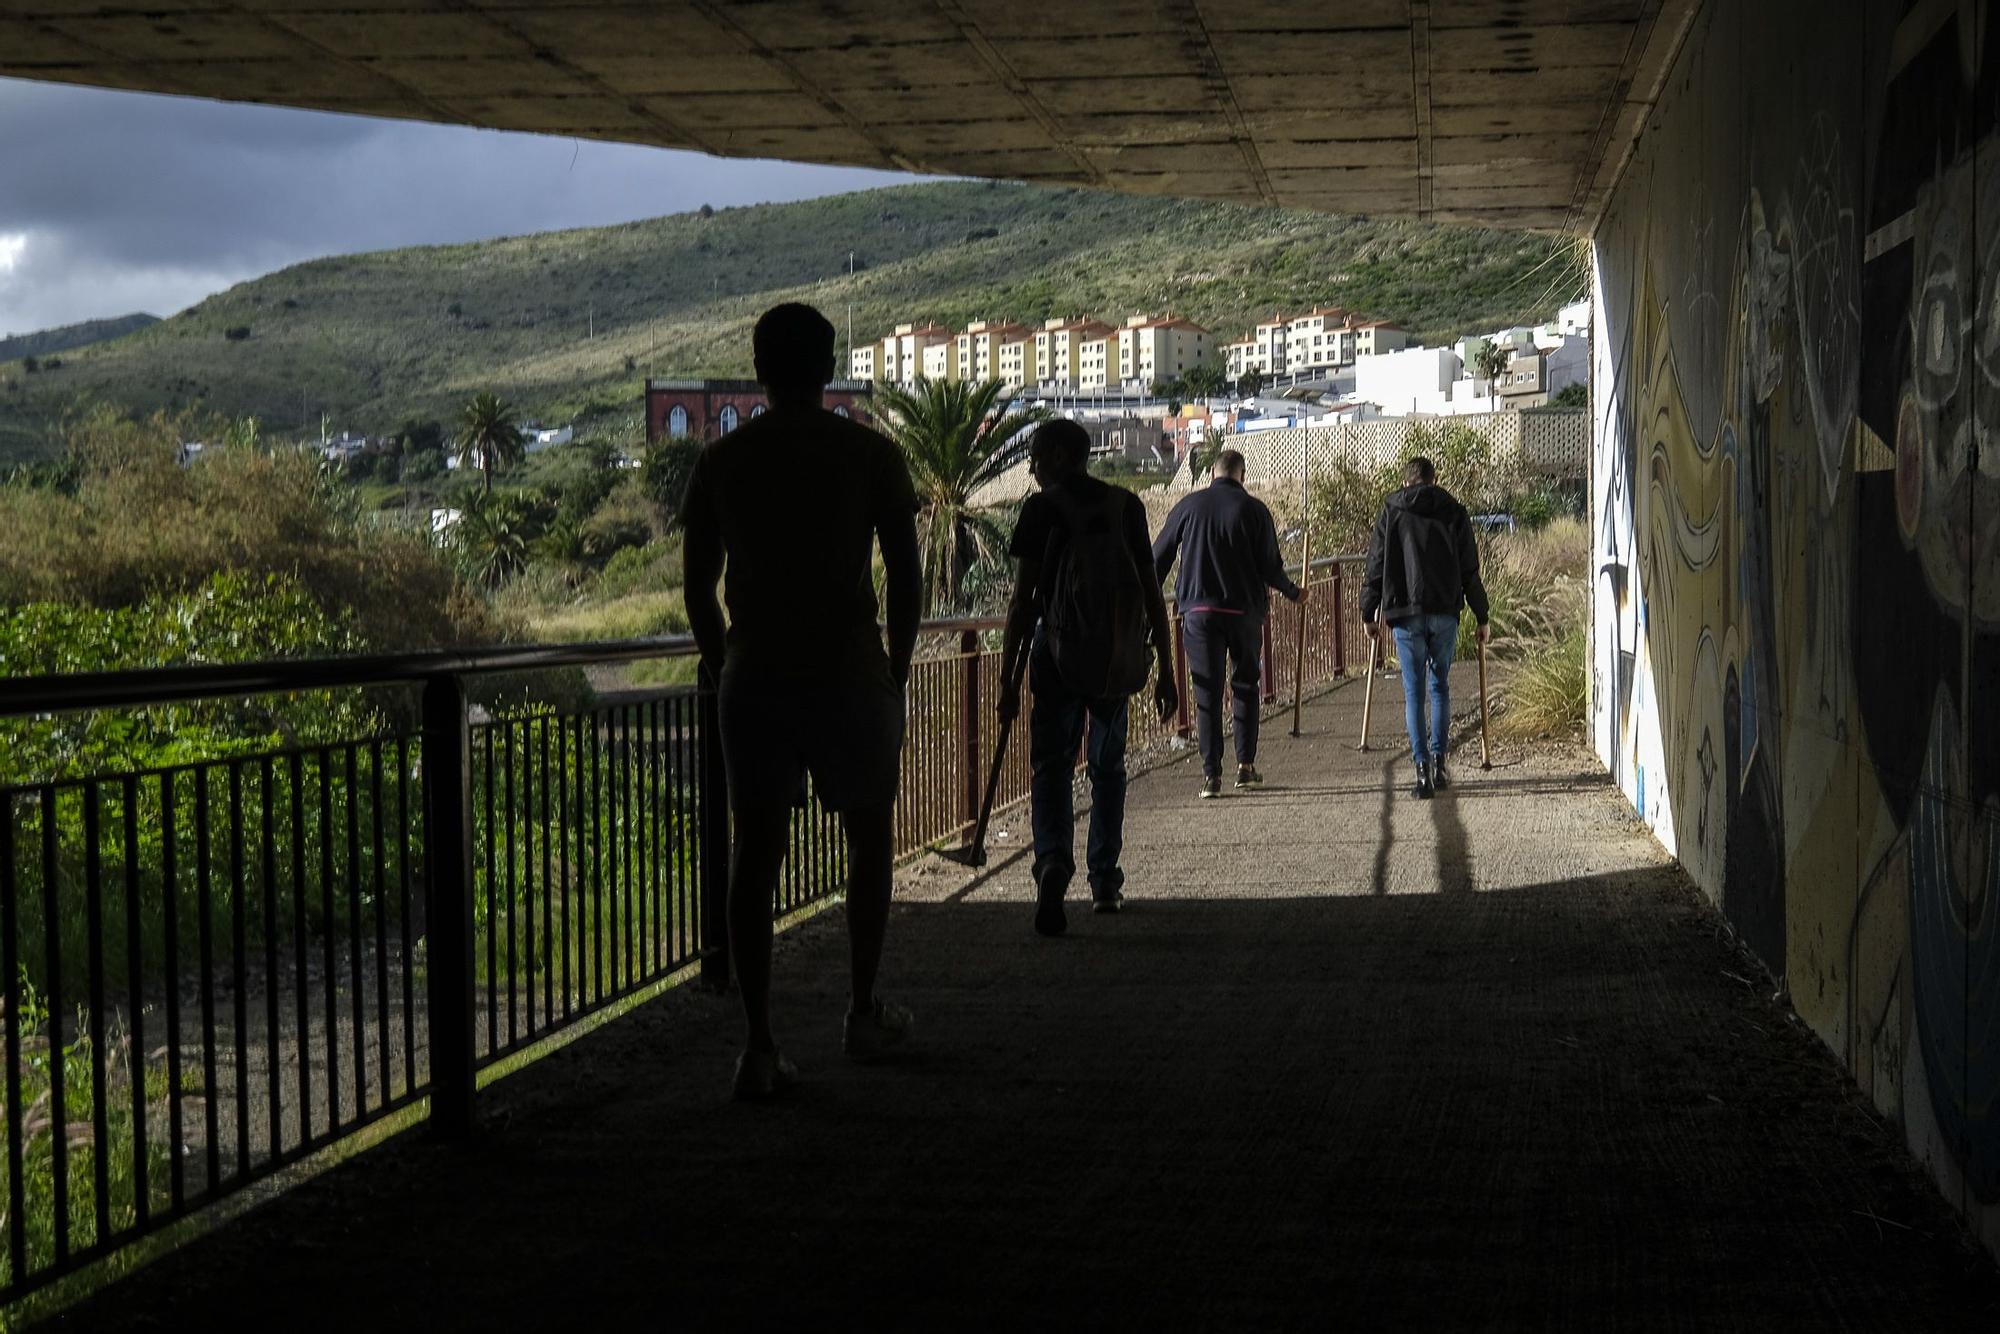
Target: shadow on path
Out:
[1278,1091]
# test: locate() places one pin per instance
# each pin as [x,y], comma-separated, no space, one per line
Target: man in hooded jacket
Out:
[1423,567]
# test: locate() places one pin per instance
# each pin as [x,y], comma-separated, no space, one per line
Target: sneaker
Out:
[761,1074]
[1247,776]
[1440,780]
[1050,886]
[1211,787]
[1421,789]
[1107,902]
[868,1035]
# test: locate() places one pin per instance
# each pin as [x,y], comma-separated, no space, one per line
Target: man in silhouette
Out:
[1073,511]
[790,505]
[1423,566]
[1228,550]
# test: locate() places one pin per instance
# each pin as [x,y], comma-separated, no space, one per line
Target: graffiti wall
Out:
[1796,523]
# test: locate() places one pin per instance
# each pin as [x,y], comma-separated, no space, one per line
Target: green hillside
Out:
[48,341]
[566,324]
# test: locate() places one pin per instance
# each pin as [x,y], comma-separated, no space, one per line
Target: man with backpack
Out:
[1228,549]
[1423,566]
[1086,593]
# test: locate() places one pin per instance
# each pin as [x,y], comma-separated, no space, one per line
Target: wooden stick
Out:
[1305,583]
[1485,745]
[1368,691]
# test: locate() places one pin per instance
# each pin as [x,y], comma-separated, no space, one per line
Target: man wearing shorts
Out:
[786,510]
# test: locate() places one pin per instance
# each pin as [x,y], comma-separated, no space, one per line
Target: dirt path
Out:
[1480,1063]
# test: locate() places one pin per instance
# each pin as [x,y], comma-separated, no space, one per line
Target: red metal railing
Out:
[952,724]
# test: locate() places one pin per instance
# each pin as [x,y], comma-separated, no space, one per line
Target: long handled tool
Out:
[1305,584]
[1485,746]
[974,853]
[1368,691]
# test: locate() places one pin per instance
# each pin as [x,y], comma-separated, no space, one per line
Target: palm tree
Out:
[491,539]
[487,433]
[1490,363]
[956,436]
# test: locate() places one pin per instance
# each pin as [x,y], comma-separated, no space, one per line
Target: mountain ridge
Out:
[68,337]
[567,324]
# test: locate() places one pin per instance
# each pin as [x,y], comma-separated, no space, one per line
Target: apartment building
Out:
[902,359]
[940,361]
[1014,362]
[1096,362]
[977,349]
[1263,352]
[862,361]
[1059,348]
[1154,348]
[1378,338]
[1314,340]
[1327,338]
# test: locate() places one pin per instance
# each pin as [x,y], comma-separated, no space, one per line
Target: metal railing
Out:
[216,968]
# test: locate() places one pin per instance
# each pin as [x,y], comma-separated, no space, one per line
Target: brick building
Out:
[711,409]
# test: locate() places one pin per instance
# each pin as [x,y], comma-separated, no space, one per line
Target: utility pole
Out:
[590,319]
[850,312]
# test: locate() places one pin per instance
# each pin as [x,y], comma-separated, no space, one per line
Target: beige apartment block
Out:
[1154,348]
[939,363]
[1263,351]
[1095,362]
[1377,337]
[903,351]
[1059,348]
[1016,360]
[1316,340]
[977,348]
[862,361]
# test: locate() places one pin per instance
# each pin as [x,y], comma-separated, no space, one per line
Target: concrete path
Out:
[1347,1060]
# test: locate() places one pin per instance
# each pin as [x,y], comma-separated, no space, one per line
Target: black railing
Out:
[215,968]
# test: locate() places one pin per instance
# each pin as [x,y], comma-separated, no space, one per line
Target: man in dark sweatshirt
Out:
[1228,549]
[1423,566]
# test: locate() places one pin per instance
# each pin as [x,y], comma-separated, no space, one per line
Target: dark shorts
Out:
[848,734]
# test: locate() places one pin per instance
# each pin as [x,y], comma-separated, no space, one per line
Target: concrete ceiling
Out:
[1514,113]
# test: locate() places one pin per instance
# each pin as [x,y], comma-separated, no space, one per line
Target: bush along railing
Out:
[212,969]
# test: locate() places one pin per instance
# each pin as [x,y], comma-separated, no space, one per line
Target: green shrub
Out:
[624,519]
[652,568]
[422,465]
[664,477]
[130,522]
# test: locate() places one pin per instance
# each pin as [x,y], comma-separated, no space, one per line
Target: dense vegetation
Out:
[565,325]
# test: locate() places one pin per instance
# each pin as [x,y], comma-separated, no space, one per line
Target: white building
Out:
[1412,380]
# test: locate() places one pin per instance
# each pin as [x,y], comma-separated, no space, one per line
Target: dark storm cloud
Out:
[114,202]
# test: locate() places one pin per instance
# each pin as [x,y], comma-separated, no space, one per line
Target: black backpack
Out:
[1094,611]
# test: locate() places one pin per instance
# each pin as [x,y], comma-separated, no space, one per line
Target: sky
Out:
[112,202]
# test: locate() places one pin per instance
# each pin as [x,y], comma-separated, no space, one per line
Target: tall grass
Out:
[1536,582]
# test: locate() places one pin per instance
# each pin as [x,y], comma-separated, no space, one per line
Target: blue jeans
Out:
[1056,721]
[1425,644]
